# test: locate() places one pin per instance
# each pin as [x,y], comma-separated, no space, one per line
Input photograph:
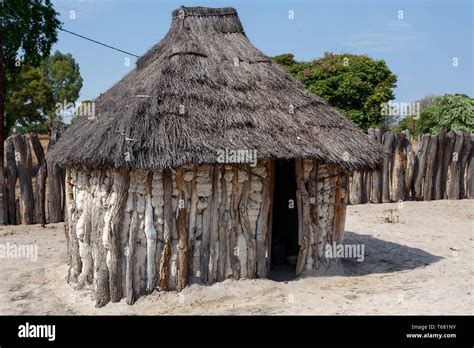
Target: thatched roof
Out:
[203,88]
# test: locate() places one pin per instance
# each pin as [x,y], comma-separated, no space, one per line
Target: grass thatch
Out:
[203,88]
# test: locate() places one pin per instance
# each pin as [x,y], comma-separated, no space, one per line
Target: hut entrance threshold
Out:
[284,234]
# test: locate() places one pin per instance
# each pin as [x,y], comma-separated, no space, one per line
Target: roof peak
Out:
[182,12]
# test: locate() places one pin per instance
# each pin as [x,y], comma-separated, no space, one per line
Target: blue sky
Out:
[421,48]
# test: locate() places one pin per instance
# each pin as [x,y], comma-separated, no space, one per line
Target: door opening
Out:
[284,238]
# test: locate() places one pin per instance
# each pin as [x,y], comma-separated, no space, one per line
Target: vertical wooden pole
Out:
[23,163]
[263,221]
[439,175]
[122,183]
[376,196]
[447,158]
[388,144]
[182,235]
[40,192]
[11,170]
[470,171]
[453,186]
[54,186]
[464,165]
[430,168]
[168,221]
[421,166]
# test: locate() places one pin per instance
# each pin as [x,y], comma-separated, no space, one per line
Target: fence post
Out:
[454,183]
[421,165]
[11,181]
[3,195]
[54,185]
[439,174]
[388,143]
[40,190]
[470,171]
[23,163]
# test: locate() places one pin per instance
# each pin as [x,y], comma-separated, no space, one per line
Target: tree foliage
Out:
[33,96]
[28,31]
[450,111]
[356,85]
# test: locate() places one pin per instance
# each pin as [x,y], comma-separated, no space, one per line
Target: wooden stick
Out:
[388,143]
[122,177]
[168,222]
[428,186]
[11,171]
[182,236]
[262,223]
[23,163]
[234,256]
[151,235]
[223,226]
[247,230]
[40,192]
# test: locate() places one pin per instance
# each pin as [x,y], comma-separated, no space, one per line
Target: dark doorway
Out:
[284,246]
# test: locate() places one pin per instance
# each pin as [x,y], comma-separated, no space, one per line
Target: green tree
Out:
[356,85]
[63,75]
[28,29]
[34,98]
[29,99]
[450,111]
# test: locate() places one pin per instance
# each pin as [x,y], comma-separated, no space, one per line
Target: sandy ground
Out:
[421,265]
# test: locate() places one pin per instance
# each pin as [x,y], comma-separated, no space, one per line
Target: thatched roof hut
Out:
[160,188]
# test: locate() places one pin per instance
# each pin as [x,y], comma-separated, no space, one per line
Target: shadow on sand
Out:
[381,256]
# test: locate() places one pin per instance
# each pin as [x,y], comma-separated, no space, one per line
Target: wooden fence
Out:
[30,190]
[427,168]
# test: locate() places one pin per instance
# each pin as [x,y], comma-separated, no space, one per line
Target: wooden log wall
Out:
[430,167]
[29,192]
[322,196]
[130,233]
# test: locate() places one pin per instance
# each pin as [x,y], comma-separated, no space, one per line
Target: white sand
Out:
[421,265]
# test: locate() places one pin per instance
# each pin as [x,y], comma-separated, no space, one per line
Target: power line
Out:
[99,43]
